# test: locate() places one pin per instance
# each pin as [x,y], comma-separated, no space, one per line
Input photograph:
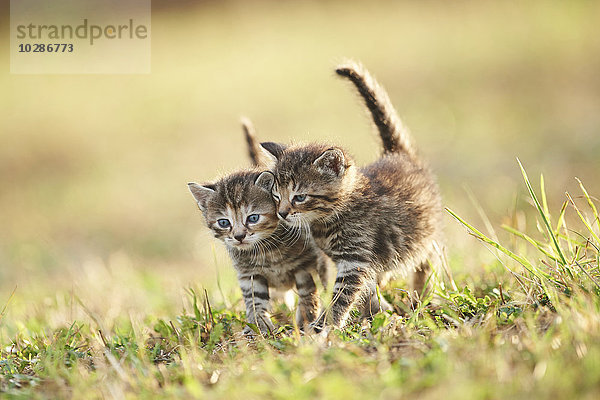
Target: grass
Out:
[103,254]
[532,330]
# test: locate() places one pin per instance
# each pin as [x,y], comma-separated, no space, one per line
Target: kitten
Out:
[371,221]
[240,211]
[259,160]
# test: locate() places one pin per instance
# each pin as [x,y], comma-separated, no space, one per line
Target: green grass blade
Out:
[7,303]
[583,218]
[521,260]
[545,218]
[588,275]
[537,244]
[589,200]
[543,193]
[562,223]
[561,217]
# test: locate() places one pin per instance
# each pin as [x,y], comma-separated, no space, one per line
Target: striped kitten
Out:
[369,307]
[241,213]
[259,160]
[371,221]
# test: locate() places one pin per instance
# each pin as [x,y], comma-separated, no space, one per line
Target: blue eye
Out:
[299,198]
[224,223]
[253,218]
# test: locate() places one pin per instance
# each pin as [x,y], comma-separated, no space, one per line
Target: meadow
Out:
[111,287]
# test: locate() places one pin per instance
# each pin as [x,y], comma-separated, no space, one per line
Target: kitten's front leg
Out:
[255,289]
[308,298]
[351,283]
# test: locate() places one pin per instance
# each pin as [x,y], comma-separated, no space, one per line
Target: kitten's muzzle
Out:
[240,236]
[284,214]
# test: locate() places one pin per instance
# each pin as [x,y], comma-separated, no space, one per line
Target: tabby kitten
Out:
[259,160]
[371,221]
[241,213]
[370,305]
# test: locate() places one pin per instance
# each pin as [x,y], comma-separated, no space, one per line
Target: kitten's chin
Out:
[244,246]
[240,246]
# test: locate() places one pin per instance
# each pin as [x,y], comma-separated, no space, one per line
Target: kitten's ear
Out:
[201,193]
[272,151]
[265,180]
[331,162]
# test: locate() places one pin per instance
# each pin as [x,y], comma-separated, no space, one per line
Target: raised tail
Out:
[395,136]
[254,151]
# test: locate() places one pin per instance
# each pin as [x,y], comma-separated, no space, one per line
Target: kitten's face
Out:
[239,209]
[310,181]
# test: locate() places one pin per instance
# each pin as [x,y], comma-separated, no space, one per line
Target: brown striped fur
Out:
[254,151]
[258,159]
[265,254]
[394,135]
[371,221]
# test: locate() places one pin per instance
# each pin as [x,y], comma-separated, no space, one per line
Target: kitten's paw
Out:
[266,326]
[320,333]
[304,320]
[262,327]
[385,306]
[316,326]
[254,333]
[249,332]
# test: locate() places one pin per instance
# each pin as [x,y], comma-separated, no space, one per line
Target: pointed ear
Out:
[272,151]
[265,180]
[331,162]
[201,193]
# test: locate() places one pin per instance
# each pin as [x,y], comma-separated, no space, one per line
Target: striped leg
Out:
[308,299]
[350,284]
[255,290]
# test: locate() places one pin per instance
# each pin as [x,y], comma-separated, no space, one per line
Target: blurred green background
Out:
[93,169]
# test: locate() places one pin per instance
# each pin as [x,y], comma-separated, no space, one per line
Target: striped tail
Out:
[254,151]
[395,136]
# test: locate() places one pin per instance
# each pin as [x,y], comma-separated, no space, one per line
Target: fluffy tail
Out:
[395,136]
[254,151]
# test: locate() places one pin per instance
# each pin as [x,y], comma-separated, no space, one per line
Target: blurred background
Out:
[93,169]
